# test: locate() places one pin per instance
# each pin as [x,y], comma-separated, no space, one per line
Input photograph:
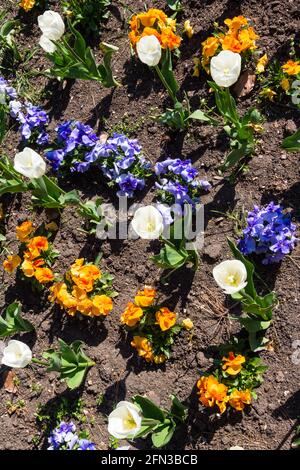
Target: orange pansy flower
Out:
[44,275]
[132,314]
[236,23]
[27,5]
[210,46]
[233,364]
[84,276]
[212,392]
[230,43]
[238,399]
[11,263]
[24,230]
[143,347]
[144,298]
[102,305]
[36,246]
[61,296]
[291,67]
[169,40]
[165,318]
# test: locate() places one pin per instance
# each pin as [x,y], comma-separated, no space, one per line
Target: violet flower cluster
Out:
[64,437]
[122,162]
[7,93]
[178,182]
[269,232]
[73,143]
[119,158]
[33,121]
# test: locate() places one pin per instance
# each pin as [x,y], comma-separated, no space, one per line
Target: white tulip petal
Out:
[231,276]
[149,50]
[16,355]
[51,23]
[29,163]
[124,421]
[225,68]
[148,223]
[47,44]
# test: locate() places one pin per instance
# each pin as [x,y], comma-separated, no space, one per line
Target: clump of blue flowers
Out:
[119,158]
[64,437]
[7,92]
[33,121]
[73,144]
[122,162]
[269,232]
[178,182]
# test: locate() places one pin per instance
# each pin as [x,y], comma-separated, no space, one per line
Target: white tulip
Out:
[231,276]
[149,50]
[47,44]
[148,223]
[53,27]
[16,354]
[51,24]
[125,421]
[225,68]
[29,163]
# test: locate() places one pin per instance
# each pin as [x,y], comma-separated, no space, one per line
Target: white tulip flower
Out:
[148,223]
[29,163]
[125,421]
[225,68]
[231,276]
[16,354]
[149,50]
[53,27]
[47,44]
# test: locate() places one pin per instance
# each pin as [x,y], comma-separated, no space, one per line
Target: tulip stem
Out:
[40,363]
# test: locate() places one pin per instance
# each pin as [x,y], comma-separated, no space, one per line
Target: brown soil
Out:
[273,175]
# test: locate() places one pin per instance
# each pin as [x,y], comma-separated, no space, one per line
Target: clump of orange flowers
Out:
[84,289]
[152,324]
[239,37]
[35,255]
[291,67]
[27,5]
[278,80]
[232,383]
[154,22]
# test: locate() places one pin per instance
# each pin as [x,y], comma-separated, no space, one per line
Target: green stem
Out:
[164,279]
[40,363]
[166,85]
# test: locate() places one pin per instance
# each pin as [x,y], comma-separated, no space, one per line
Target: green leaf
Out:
[163,435]
[167,71]
[257,343]
[75,380]
[108,78]
[200,116]
[225,103]
[13,322]
[78,61]
[253,326]
[233,158]
[70,361]
[178,410]
[292,143]
[149,409]
[174,257]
